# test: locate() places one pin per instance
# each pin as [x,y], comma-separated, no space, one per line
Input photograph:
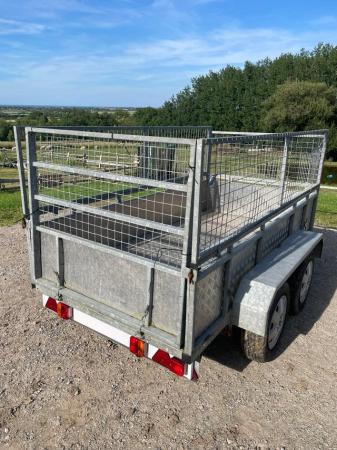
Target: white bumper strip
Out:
[119,336]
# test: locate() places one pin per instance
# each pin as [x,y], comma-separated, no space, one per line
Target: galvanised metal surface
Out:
[184,132]
[244,255]
[275,236]
[127,192]
[258,288]
[249,177]
[211,287]
[156,232]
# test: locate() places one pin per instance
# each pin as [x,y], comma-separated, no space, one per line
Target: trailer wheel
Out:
[262,348]
[300,285]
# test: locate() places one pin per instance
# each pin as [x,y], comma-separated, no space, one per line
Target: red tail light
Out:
[63,311]
[137,346]
[175,365]
[51,304]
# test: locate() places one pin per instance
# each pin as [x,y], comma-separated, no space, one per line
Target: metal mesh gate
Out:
[244,179]
[127,192]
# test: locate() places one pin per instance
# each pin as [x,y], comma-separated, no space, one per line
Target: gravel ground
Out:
[63,386]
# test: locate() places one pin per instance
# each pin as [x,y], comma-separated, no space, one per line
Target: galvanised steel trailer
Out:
[161,237]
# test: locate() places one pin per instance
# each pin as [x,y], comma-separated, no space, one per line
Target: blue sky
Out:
[137,53]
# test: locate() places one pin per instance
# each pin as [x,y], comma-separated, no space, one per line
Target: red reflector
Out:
[63,311]
[175,365]
[137,346]
[51,304]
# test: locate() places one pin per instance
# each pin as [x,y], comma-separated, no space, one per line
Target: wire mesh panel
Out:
[129,194]
[132,192]
[243,179]
[150,160]
[185,132]
[9,156]
[302,163]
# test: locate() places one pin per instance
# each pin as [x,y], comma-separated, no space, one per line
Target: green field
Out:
[10,207]
[326,213]
[10,201]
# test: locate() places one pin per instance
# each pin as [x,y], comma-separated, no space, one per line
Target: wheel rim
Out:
[277,321]
[306,281]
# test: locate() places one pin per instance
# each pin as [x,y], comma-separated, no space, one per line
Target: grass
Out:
[72,191]
[10,207]
[10,203]
[6,172]
[10,199]
[326,213]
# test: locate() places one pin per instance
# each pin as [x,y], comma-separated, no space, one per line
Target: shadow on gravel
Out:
[227,351]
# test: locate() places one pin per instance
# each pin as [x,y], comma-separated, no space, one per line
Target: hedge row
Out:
[329,174]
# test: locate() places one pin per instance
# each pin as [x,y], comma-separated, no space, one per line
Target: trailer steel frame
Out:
[169,309]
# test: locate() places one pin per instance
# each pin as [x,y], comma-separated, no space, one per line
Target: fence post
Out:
[284,168]
[209,153]
[324,145]
[319,176]
[18,135]
[186,256]
[35,236]
[197,201]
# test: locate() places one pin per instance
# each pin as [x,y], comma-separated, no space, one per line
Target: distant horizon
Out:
[141,52]
[7,105]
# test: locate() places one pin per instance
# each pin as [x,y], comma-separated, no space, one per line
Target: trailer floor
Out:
[63,386]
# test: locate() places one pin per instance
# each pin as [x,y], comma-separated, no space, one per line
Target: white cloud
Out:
[103,10]
[142,71]
[226,46]
[8,27]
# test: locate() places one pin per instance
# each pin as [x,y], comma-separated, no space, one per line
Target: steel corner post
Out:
[197,202]
[283,177]
[33,206]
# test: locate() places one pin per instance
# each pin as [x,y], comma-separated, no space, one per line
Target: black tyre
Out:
[262,349]
[300,285]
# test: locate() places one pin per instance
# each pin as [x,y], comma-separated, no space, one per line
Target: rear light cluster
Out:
[175,365]
[62,310]
[137,346]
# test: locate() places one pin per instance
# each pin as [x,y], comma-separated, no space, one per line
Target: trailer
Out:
[160,238]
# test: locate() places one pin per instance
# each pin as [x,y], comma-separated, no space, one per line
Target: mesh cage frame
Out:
[148,180]
[244,180]
[128,192]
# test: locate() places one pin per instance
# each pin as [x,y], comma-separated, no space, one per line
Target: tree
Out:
[37,117]
[291,92]
[299,105]
[123,117]
[146,116]
[5,131]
